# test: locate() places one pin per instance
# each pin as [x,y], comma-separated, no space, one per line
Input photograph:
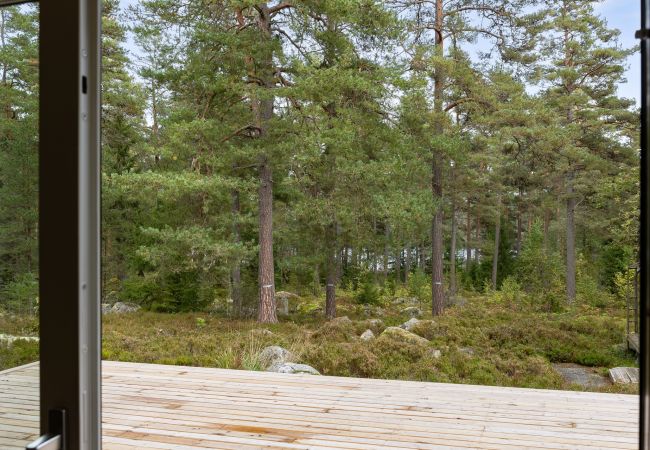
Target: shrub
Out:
[510,293]
[540,271]
[21,294]
[419,286]
[368,293]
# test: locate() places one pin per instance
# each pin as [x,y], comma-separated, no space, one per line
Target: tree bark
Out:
[468,239]
[266,312]
[407,263]
[235,275]
[478,238]
[386,251]
[437,288]
[262,109]
[497,238]
[452,250]
[519,222]
[570,240]
[330,288]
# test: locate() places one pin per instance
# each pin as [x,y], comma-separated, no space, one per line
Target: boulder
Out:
[261,332]
[106,308]
[274,355]
[410,324]
[282,305]
[123,307]
[406,301]
[10,339]
[341,321]
[288,367]
[285,294]
[367,335]
[401,334]
[412,311]
[580,375]
[469,351]
[434,353]
[370,310]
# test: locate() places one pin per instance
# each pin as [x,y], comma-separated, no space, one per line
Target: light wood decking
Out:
[169,407]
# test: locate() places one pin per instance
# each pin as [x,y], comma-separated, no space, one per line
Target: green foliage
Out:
[540,271]
[510,293]
[21,294]
[511,346]
[175,292]
[419,286]
[368,292]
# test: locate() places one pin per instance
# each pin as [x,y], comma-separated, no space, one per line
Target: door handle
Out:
[46,442]
[55,438]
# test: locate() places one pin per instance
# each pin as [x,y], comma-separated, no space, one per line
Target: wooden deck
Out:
[170,407]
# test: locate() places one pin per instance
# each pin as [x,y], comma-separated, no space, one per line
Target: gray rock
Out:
[367,335]
[274,355]
[282,305]
[412,311]
[409,324]
[469,351]
[406,301]
[580,375]
[400,334]
[106,308]
[375,323]
[123,307]
[434,353]
[261,332]
[343,320]
[292,368]
[10,339]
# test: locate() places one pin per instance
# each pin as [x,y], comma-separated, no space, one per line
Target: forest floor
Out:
[480,342]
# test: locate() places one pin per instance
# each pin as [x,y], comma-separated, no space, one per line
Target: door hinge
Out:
[55,438]
[642,34]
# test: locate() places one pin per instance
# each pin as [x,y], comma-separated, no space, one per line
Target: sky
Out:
[621,14]
[625,15]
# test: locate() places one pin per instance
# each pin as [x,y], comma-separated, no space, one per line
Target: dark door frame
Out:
[69,218]
[69,222]
[644,255]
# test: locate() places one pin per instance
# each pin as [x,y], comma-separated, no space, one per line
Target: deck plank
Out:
[171,407]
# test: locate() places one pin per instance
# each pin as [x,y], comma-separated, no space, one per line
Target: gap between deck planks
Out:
[148,406]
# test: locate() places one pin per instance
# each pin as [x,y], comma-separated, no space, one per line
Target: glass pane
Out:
[19,414]
[434,192]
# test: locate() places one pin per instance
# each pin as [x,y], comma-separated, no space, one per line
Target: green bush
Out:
[177,292]
[510,293]
[368,293]
[419,286]
[540,271]
[21,294]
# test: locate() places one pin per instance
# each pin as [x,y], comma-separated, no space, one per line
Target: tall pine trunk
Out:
[452,250]
[235,274]
[497,242]
[407,263]
[519,222]
[262,69]
[266,311]
[478,238]
[386,251]
[468,238]
[330,288]
[437,288]
[570,240]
